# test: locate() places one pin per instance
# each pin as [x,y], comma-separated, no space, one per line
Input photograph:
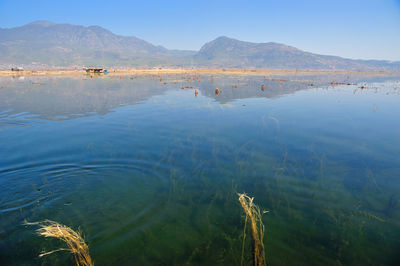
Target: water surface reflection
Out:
[150,172]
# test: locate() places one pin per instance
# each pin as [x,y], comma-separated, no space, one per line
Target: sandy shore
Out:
[256,72]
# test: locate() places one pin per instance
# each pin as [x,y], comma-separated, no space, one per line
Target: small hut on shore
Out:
[93,70]
[17,69]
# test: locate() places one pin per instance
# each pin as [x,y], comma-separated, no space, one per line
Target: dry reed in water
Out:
[76,244]
[254,215]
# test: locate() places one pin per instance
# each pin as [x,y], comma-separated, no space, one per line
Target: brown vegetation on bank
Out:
[167,71]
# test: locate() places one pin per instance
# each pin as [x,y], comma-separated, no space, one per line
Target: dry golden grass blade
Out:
[76,244]
[254,216]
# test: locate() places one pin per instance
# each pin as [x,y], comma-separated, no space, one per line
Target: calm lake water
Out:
[150,173]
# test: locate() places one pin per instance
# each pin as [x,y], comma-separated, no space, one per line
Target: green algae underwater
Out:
[150,172]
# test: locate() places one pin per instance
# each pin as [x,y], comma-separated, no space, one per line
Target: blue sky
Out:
[354,28]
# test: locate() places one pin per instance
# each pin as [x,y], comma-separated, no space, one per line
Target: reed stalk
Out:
[74,240]
[254,216]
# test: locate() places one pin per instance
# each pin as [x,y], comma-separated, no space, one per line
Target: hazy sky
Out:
[350,28]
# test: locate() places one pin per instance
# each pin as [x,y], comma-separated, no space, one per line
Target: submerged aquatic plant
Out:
[74,240]
[254,215]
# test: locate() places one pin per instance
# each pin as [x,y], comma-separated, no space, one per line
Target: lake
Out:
[149,170]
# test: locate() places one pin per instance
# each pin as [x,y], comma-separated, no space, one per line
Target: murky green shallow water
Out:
[149,172]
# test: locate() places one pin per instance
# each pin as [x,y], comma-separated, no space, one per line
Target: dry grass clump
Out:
[76,244]
[254,215]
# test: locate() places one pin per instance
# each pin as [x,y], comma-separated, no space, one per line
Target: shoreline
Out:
[250,72]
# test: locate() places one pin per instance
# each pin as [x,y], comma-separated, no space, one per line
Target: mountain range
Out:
[47,44]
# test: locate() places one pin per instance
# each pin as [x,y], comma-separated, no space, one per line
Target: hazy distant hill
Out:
[227,52]
[50,44]
[65,44]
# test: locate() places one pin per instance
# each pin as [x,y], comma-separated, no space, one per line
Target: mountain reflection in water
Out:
[60,98]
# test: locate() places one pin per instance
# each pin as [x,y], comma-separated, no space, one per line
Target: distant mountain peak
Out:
[43,23]
[224,39]
[220,38]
